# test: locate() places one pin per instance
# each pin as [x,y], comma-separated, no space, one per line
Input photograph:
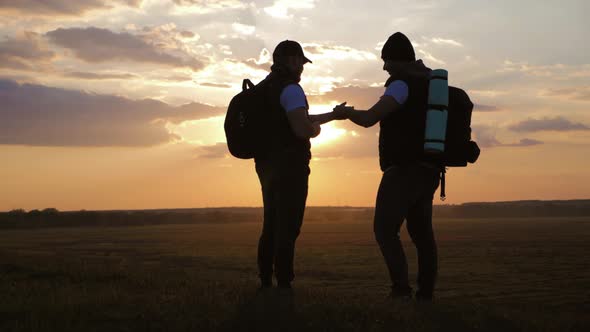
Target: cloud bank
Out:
[95,45]
[548,124]
[486,137]
[59,7]
[44,116]
[24,52]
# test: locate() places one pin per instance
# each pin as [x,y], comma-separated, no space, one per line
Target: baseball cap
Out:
[288,48]
[398,48]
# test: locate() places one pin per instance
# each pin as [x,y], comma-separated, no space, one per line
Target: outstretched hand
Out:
[341,111]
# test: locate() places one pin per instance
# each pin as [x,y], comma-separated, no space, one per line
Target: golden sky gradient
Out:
[119,104]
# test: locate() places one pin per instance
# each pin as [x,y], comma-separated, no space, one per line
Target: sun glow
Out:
[200,132]
[329,132]
[210,131]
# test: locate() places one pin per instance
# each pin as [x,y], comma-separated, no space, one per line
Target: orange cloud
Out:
[216,85]
[485,136]
[486,108]
[558,123]
[578,93]
[218,150]
[99,76]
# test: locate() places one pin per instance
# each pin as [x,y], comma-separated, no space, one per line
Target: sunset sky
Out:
[119,104]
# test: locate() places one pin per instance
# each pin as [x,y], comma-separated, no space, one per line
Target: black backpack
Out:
[244,121]
[459,148]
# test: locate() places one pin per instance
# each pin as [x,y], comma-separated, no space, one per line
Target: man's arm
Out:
[327,117]
[322,118]
[370,117]
[301,124]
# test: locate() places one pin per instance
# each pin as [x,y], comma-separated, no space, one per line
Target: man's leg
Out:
[266,243]
[419,224]
[292,197]
[390,211]
[420,229]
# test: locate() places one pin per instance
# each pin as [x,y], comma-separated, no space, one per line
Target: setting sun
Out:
[329,133]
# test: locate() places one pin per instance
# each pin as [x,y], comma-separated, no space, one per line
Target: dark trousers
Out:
[406,192]
[284,181]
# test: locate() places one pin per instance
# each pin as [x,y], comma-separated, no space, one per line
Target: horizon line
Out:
[311,206]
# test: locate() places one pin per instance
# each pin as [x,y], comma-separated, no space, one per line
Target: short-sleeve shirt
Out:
[398,90]
[293,97]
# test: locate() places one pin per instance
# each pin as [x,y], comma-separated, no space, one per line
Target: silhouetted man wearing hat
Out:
[408,183]
[284,171]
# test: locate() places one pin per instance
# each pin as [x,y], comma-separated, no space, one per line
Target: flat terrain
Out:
[495,275]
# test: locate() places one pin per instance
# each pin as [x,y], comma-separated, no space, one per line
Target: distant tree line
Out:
[515,209]
[51,217]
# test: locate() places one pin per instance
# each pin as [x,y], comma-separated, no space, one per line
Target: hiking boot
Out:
[265,283]
[424,297]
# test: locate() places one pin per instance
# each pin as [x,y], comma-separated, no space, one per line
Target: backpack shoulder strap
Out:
[247,84]
[443,194]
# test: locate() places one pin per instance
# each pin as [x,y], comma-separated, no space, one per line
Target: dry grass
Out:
[502,274]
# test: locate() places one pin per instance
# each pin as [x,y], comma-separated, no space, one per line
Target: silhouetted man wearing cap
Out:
[408,183]
[284,172]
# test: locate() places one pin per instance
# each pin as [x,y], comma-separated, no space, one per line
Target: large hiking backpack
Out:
[459,148]
[447,134]
[244,121]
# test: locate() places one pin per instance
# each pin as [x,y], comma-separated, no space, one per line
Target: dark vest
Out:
[401,134]
[285,139]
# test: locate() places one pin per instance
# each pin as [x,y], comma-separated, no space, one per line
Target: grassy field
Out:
[495,275]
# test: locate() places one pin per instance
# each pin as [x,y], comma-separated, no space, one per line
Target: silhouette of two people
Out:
[407,186]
